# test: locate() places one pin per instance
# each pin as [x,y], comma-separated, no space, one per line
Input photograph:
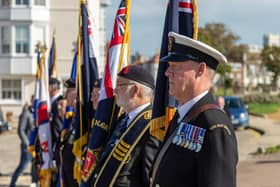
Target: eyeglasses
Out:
[124,84]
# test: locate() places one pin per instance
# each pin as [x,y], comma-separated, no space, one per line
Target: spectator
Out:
[25,126]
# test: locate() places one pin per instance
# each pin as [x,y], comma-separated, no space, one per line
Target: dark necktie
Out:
[173,124]
[117,133]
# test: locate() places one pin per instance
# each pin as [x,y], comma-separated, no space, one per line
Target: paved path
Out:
[9,159]
[259,171]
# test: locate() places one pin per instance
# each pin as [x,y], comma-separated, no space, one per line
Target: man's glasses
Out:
[124,84]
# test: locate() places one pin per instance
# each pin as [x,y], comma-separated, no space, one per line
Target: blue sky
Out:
[249,19]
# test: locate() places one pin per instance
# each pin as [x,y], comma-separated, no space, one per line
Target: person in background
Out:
[67,136]
[95,92]
[221,104]
[61,106]
[25,126]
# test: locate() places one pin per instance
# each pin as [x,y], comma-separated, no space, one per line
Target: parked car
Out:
[238,111]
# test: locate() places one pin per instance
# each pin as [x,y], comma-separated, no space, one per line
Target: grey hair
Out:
[211,73]
[146,92]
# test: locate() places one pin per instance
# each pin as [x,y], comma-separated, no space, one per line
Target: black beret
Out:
[138,74]
[182,48]
[70,83]
[97,83]
[54,81]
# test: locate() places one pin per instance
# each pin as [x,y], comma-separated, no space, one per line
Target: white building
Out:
[25,22]
[271,40]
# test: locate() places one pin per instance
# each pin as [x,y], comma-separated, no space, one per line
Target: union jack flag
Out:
[107,110]
[185,6]
[119,26]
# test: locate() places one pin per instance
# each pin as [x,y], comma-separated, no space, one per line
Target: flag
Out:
[181,17]
[107,110]
[70,110]
[44,130]
[34,132]
[87,74]
[73,73]
[52,59]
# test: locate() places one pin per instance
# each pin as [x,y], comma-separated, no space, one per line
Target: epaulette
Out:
[213,127]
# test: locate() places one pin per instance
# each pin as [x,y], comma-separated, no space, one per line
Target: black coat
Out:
[213,166]
[56,126]
[135,173]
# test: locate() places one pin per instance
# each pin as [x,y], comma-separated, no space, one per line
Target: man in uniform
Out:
[95,92]
[55,121]
[67,136]
[125,160]
[200,148]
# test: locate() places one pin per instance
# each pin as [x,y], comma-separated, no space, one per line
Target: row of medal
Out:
[189,136]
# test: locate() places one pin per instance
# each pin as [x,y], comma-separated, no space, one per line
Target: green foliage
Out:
[223,39]
[271,59]
[262,108]
[221,92]
[268,150]
[222,68]
[261,99]
[228,83]
[262,103]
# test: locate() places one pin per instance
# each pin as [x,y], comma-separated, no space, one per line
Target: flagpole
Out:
[195,19]
[126,37]
[77,171]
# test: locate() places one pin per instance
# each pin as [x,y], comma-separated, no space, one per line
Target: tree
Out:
[271,59]
[223,39]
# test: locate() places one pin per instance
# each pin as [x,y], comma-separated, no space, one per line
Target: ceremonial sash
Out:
[120,154]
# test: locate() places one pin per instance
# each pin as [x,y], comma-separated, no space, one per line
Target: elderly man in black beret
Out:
[125,160]
[200,148]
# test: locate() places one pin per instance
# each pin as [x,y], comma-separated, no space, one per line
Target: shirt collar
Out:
[184,108]
[53,98]
[132,114]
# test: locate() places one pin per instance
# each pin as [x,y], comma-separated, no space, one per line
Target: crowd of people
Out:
[199,147]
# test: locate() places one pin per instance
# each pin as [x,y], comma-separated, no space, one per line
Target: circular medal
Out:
[198,147]
[175,139]
[193,147]
[179,141]
[186,144]
[190,145]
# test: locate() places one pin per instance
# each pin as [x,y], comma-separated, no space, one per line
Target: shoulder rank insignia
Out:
[189,136]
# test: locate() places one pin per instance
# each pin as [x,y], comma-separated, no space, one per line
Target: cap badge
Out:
[126,69]
[170,43]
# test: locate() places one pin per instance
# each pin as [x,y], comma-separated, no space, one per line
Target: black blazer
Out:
[213,166]
[135,173]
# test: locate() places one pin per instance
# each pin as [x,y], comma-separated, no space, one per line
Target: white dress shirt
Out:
[184,108]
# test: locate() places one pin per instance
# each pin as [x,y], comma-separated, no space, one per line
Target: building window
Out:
[22,2]
[5,2]
[5,40]
[22,39]
[40,2]
[11,89]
